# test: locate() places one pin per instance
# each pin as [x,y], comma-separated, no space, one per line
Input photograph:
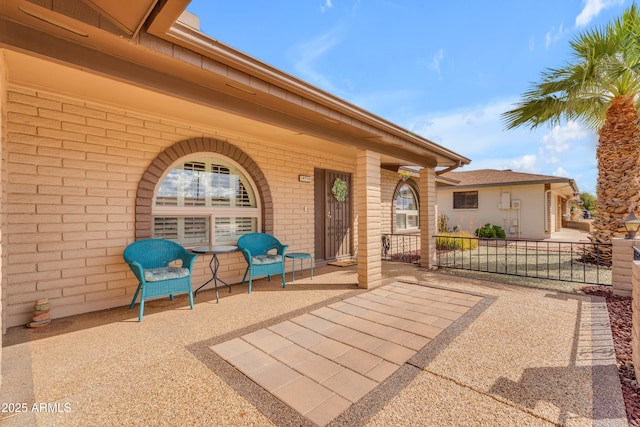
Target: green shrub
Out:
[458,240]
[489,231]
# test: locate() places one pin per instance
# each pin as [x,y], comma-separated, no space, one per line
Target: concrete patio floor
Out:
[323,352]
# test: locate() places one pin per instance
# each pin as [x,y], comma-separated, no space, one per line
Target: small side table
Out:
[301,256]
[214,264]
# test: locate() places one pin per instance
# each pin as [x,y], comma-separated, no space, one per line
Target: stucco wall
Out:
[73,169]
[530,217]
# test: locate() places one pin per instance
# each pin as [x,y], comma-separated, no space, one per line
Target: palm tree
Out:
[600,88]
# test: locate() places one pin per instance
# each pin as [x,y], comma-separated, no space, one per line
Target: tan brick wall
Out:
[427,217]
[635,318]
[3,139]
[73,169]
[621,274]
[389,183]
[368,184]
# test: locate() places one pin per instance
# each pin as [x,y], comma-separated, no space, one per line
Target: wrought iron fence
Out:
[582,262]
[401,247]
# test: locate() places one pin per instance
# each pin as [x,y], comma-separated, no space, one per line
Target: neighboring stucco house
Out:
[525,205]
[121,121]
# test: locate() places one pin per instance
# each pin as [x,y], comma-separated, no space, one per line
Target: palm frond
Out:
[605,63]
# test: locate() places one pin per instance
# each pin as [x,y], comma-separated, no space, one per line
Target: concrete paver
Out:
[371,352]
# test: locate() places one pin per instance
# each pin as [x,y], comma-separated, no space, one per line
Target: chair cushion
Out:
[165,273]
[266,259]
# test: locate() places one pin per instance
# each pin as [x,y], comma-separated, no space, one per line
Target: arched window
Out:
[205,198]
[406,209]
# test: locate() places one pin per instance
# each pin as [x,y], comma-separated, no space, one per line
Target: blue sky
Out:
[443,69]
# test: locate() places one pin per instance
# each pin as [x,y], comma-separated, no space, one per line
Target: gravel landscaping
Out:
[620,318]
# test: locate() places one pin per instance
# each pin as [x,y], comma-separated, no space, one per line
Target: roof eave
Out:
[569,181]
[164,23]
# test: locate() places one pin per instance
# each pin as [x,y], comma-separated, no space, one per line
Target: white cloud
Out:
[437,59]
[554,35]
[526,163]
[560,138]
[478,133]
[328,4]
[561,172]
[551,160]
[470,131]
[592,9]
[307,54]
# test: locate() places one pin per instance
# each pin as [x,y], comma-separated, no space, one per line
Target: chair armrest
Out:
[281,249]
[246,254]
[188,259]
[137,269]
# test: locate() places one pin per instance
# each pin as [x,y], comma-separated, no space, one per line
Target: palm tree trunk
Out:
[618,187]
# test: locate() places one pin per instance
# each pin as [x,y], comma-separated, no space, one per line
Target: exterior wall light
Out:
[631,224]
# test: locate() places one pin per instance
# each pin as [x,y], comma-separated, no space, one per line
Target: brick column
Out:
[622,261]
[427,217]
[635,318]
[369,219]
[3,156]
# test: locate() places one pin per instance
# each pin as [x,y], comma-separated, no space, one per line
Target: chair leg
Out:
[245,275]
[170,297]
[250,282]
[133,301]
[191,299]
[141,309]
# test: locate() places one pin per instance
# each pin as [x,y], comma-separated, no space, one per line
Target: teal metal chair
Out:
[264,255]
[150,262]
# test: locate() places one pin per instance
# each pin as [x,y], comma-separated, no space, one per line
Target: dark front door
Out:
[332,215]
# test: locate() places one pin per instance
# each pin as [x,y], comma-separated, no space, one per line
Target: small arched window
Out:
[205,199]
[406,209]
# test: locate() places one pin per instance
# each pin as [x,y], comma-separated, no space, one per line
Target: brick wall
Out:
[621,274]
[73,168]
[369,219]
[3,138]
[427,217]
[389,183]
[635,318]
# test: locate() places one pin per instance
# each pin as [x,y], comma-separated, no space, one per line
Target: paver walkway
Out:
[322,362]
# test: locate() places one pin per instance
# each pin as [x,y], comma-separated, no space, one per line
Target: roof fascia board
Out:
[510,184]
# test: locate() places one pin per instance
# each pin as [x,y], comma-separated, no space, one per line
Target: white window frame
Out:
[406,212]
[210,212]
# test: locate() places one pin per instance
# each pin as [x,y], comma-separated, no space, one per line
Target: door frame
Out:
[325,249]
